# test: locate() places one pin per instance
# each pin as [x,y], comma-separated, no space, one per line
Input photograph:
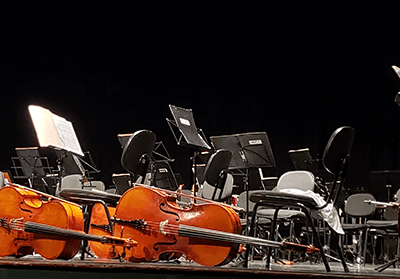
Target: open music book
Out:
[54,131]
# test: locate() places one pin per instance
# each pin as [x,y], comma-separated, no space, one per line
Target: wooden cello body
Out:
[163,228]
[19,205]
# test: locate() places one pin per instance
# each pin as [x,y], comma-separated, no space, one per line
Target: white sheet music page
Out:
[43,122]
[67,135]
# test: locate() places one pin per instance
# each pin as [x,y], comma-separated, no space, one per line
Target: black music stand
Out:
[33,166]
[248,150]
[301,159]
[189,135]
[69,163]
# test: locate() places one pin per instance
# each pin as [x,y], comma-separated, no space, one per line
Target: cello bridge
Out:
[16,224]
[162,227]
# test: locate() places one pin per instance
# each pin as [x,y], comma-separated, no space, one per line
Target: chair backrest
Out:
[136,154]
[212,193]
[73,181]
[164,177]
[122,182]
[242,199]
[215,174]
[396,197]
[336,156]
[355,205]
[1,179]
[303,180]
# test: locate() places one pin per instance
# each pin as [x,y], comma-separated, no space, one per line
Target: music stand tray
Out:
[301,159]
[248,149]
[190,135]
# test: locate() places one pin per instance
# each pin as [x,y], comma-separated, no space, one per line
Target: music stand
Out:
[32,165]
[248,150]
[189,135]
[71,164]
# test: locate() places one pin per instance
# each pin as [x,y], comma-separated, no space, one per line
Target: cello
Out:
[52,228]
[19,205]
[208,234]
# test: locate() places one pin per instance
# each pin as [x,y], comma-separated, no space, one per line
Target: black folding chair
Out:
[136,155]
[215,176]
[335,161]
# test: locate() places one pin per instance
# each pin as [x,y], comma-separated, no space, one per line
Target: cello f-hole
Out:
[155,247]
[24,209]
[169,212]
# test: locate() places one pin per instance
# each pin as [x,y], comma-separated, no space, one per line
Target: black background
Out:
[294,73]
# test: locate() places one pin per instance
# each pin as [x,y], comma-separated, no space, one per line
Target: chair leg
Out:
[365,246]
[272,235]
[317,240]
[339,249]
[250,232]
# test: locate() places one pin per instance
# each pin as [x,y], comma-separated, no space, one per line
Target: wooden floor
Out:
[36,267]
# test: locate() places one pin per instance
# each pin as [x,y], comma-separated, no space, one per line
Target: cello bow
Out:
[33,227]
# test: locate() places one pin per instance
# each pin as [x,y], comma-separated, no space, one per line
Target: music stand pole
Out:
[194,166]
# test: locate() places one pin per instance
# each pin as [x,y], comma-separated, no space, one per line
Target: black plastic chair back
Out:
[136,154]
[336,157]
[217,169]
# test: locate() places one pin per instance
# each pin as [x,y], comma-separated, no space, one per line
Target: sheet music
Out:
[53,130]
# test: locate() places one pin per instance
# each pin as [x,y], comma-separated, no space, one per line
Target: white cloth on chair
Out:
[329,212]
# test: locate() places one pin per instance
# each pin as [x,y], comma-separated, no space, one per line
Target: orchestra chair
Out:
[136,154]
[218,183]
[264,219]
[302,180]
[357,210]
[382,228]
[335,161]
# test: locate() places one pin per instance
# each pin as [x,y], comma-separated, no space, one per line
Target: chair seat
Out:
[261,222]
[79,196]
[354,227]
[381,223]
[282,213]
[279,199]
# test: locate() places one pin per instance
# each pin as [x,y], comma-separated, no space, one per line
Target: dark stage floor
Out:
[36,267]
